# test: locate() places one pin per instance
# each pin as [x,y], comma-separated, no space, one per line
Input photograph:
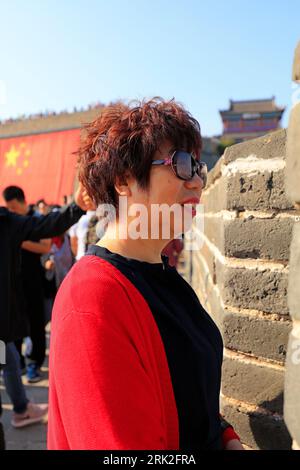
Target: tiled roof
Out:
[253,106]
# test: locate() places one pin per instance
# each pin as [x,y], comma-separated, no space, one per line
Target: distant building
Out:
[249,119]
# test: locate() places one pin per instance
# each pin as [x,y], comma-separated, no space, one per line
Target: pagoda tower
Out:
[249,119]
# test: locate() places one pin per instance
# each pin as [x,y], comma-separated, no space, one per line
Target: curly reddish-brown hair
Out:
[124,138]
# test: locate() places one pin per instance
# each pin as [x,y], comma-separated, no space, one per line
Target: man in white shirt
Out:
[78,234]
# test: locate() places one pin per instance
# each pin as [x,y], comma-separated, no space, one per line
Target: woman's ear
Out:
[122,185]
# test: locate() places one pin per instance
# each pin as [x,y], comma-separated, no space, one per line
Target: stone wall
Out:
[241,276]
[51,123]
[292,379]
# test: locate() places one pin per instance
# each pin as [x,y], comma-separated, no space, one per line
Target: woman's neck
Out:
[148,250]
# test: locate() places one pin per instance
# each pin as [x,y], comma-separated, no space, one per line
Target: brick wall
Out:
[292,378]
[241,275]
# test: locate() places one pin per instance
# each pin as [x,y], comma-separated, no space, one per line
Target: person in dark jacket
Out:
[14,229]
[32,274]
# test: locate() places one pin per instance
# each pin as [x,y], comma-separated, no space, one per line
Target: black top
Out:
[31,267]
[14,229]
[192,343]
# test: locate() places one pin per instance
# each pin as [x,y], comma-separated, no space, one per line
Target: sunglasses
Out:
[185,166]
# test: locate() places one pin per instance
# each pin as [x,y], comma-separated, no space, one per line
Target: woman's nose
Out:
[194,183]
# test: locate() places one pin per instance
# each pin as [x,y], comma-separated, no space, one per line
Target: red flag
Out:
[42,165]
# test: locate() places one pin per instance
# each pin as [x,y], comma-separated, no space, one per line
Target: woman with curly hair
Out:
[135,360]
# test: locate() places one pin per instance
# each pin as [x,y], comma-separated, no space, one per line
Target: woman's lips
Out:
[190,205]
[192,200]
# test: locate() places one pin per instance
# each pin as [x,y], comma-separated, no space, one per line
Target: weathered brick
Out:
[251,237]
[292,384]
[197,279]
[296,65]
[198,275]
[271,145]
[215,199]
[214,230]
[207,292]
[259,336]
[210,260]
[248,380]
[258,430]
[293,152]
[245,191]
[259,191]
[258,238]
[258,289]
[213,305]
[200,271]
[294,274]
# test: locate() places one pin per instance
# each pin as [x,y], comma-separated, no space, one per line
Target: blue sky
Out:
[63,53]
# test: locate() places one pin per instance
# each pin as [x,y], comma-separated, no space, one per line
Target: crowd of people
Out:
[22,301]
[135,360]
[97,105]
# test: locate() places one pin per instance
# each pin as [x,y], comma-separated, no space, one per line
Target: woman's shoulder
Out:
[91,267]
[95,285]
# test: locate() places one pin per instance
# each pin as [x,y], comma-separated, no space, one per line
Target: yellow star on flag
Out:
[11,156]
[18,157]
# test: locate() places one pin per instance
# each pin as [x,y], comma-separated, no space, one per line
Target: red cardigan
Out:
[110,385]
